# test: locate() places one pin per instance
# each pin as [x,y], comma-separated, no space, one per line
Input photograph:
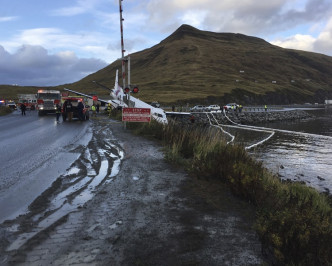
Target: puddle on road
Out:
[73,171]
[62,197]
[116,167]
[80,189]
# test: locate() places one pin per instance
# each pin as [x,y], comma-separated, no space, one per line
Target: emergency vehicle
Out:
[74,101]
[47,100]
[29,100]
[11,104]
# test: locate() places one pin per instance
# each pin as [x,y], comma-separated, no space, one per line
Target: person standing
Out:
[192,119]
[109,109]
[265,107]
[93,108]
[58,112]
[97,108]
[80,108]
[64,111]
[23,108]
[70,110]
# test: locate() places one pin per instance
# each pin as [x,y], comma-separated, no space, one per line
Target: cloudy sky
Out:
[46,43]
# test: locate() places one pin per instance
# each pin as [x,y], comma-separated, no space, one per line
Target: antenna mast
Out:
[122,48]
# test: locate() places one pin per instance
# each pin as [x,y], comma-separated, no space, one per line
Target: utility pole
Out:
[122,55]
[122,48]
[129,85]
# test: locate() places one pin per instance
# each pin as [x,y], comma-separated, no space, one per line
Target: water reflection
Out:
[301,157]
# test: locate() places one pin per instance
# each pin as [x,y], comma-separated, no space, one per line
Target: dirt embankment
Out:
[149,213]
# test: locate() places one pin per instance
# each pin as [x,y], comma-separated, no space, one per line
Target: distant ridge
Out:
[193,66]
[187,30]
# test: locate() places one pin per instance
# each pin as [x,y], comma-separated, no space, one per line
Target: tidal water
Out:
[304,154]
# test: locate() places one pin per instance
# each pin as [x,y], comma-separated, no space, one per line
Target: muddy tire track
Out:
[98,163]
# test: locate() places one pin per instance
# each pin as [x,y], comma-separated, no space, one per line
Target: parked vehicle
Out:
[155,104]
[198,108]
[74,101]
[213,107]
[47,100]
[29,100]
[231,106]
[11,105]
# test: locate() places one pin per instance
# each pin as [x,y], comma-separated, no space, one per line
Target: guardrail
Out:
[261,108]
[253,108]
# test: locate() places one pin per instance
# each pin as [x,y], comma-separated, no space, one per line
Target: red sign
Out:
[136,114]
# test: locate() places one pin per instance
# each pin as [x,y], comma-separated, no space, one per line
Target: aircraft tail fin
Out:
[116,80]
[117,92]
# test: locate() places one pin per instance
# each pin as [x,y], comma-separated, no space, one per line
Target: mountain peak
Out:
[182,31]
[187,28]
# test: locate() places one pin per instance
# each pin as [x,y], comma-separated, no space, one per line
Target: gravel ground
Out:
[145,212]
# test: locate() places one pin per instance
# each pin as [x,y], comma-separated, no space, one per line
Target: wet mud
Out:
[121,203]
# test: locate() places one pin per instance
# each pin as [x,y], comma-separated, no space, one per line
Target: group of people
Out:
[234,108]
[68,111]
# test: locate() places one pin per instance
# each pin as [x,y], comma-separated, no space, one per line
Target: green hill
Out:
[194,66]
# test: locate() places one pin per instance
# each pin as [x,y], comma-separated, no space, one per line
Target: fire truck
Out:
[29,100]
[47,100]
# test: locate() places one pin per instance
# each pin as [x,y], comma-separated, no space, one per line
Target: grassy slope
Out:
[293,221]
[198,66]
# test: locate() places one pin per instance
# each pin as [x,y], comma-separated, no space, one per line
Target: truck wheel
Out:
[40,113]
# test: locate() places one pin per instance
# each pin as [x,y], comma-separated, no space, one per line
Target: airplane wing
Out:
[79,93]
[115,103]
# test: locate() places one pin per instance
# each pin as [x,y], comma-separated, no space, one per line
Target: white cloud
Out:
[298,42]
[81,7]
[320,44]
[324,40]
[85,44]
[6,19]
[194,18]
[33,65]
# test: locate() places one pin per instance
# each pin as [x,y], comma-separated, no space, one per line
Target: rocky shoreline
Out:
[248,118]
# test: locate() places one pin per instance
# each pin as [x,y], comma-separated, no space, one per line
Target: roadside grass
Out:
[293,221]
[4,110]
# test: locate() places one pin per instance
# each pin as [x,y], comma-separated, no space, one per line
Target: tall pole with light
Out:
[128,89]
[122,48]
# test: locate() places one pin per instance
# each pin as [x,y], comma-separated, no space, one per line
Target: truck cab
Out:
[47,100]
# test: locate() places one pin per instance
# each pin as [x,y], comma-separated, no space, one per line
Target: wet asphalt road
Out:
[34,152]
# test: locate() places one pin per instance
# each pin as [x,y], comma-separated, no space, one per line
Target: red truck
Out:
[47,100]
[74,101]
[29,100]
